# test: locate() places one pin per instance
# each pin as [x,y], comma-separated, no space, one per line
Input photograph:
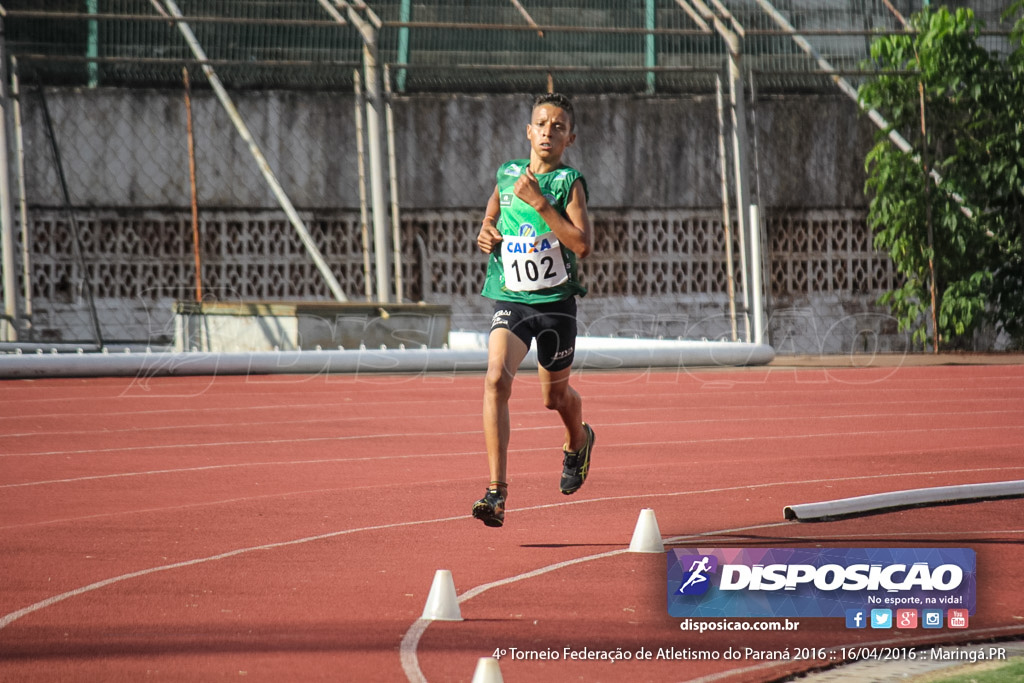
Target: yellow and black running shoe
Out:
[491,508]
[576,465]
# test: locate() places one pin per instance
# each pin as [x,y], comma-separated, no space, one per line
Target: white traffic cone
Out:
[646,536]
[441,602]
[487,671]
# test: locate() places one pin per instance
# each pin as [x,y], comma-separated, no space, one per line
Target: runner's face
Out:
[549,132]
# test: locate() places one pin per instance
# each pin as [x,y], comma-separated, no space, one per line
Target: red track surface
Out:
[289,528]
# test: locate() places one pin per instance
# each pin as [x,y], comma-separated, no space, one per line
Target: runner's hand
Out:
[528,189]
[488,238]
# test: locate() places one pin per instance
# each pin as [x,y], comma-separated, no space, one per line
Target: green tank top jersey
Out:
[519,219]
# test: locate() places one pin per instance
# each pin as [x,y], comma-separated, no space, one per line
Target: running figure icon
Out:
[697,573]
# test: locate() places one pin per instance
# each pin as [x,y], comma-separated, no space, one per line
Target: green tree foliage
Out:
[968,217]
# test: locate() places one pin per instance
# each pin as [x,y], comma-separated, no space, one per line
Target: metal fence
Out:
[105,131]
[640,46]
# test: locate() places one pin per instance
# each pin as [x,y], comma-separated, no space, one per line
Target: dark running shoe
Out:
[491,508]
[576,466]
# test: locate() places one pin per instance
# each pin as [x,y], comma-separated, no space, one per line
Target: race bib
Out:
[532,263]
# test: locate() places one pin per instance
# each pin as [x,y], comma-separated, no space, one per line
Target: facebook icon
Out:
[856,618]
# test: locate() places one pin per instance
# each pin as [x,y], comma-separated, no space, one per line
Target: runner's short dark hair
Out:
[557,100]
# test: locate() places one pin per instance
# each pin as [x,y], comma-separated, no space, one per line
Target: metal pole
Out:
[526,15]
[257,153]
[739,150]
[533,24]
[739,147]
[725,13]
[755,271]
[192,185]
[381,250]
[765,264]
[364,221]
[396,220]
[726,218]
[8,328]
[694,15]
[374,114]
[26,237]
[404,15]
[92,44]
[650,49]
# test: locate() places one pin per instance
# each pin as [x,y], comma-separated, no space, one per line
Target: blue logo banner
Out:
[846,583]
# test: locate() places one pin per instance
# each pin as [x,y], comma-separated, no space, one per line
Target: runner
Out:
[535,228]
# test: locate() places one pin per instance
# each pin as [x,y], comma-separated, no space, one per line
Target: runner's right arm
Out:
[489,236]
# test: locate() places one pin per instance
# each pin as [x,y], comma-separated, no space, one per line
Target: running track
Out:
[289,527]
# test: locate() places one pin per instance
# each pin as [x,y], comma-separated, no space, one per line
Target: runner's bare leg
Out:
[505,352]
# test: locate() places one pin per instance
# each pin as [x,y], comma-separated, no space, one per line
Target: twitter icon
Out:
[881,618]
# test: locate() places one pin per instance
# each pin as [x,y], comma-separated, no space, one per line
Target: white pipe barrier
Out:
[596,354]
[844,508]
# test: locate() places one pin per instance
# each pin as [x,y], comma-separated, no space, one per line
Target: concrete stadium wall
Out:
[128,149]
[125,151]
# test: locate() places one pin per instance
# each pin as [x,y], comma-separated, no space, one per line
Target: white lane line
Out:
[343,460]
[183,508]
[11,617]
[223,444]
[334,420]
[7,619]
[730,439]
[476,414]
[206,468]
[410,641]
[777,394]
[320,461]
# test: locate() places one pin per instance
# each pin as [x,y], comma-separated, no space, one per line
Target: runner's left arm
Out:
[574,230]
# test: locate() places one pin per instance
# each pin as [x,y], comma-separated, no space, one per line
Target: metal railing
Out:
[642,46]
[254,55]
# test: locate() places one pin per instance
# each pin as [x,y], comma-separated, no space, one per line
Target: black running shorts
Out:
[552,325]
